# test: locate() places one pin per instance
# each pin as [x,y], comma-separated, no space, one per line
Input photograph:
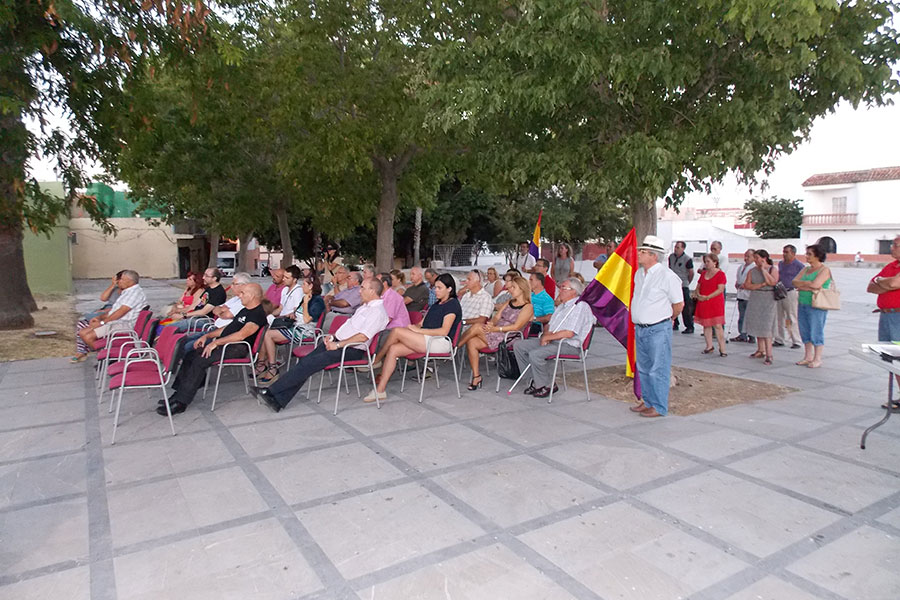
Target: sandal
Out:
[757,354]
[269,375]
[894,404]
[768,360]
[261,367]
[78,359]
[708,350]
[802,363]
[722,353]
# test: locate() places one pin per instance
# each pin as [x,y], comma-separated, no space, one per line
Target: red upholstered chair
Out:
[244,362]
[165,347]
[311,342]
[112,345]
[434,356]
[351,365]
[415,317]
[141,369]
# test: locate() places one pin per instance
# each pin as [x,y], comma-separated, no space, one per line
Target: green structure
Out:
[48,261]
[117,204]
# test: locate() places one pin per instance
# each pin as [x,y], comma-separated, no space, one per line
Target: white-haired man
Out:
[656,303]
[571,322]
[477,303]
[121,316]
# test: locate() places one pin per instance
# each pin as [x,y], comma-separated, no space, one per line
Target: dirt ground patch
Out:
[694,391]
[55,313]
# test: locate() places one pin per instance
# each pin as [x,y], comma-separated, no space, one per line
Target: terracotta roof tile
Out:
[882,174]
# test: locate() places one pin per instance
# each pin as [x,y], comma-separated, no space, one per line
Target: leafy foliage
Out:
[774,218]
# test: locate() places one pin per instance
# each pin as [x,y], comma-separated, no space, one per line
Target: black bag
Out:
[282,323]
[507,366]
[779,291]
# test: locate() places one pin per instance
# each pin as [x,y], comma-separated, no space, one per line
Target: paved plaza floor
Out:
[487,497]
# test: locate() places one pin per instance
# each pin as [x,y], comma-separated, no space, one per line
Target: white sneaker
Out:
[375,395]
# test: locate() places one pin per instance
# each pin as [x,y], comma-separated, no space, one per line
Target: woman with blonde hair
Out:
[397,281]
[494,285]
[512,315]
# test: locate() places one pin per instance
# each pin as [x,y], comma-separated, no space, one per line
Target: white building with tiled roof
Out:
[852,211]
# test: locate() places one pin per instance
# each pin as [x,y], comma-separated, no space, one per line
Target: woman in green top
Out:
[811,321]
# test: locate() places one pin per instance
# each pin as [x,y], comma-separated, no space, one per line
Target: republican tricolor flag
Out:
[609,296]
[534,248]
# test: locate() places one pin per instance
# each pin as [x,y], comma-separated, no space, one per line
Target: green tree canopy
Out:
[774,218]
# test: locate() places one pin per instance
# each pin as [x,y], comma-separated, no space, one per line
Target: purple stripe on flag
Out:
[533,250]
[608,309]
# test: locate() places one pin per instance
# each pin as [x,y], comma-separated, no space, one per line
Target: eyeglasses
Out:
[564,288]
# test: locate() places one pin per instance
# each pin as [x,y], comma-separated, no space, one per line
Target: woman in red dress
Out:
[710,307]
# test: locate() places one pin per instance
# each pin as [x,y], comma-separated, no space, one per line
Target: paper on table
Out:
[889,349]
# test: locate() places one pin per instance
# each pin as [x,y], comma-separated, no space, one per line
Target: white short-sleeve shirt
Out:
[655,291]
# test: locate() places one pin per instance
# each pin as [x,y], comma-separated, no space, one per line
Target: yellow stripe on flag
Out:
[616,276]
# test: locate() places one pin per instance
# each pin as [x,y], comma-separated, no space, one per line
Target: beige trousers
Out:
[786,319]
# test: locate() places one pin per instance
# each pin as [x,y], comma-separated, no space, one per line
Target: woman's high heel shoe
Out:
[474,386]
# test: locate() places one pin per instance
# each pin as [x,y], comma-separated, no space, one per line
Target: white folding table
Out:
[871,354]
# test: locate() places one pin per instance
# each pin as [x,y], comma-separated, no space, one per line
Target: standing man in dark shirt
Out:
[682,265]
[209,348]
[786,308]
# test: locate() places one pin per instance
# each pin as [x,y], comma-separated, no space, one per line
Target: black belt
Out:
[887,310]
[652,324]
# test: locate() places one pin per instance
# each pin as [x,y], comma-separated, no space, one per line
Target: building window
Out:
[884,246]
[839,205]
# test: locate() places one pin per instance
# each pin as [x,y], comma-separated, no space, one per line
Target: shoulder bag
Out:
[779,291]
[827,298]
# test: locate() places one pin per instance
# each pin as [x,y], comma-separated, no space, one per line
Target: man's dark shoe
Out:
[266,396]
[687,331]
[675,327]
[794,346]
[530,390]
[778,344]
[176,407]
[545,392]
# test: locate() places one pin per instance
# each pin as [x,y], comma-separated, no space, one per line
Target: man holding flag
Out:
[656,303]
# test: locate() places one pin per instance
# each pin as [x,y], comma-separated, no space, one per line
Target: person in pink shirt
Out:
[394,304]
[273,293]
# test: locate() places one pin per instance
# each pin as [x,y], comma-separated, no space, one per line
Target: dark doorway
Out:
[184,261]
[884,246]
[828,244]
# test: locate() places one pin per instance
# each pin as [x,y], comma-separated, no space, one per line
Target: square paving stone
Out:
[244,410]
[319,473]
[604,412]
[75,379]
[168,456]
[37,441]
[861,564]
[42,413]
[833,481]
[35,537]
[257,560]
[71,584]
[772,588]
[718,444]
[442,446]
[842,392]
[741,513]
[892,518]
[393,416]
[475,404]
[34,480]
[492,572]
[369,532]
[808,404]
[534,427]
[41,392]
[758,421]
[284,435]
[148,511]
[496,489]
[619,551]
[138,421]
[617,461]
[881,450]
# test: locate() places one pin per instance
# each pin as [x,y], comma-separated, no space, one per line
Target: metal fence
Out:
[474,255]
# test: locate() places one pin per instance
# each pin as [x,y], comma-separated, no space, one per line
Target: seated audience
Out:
[572,322]
[398,281]
[121,316]
[211,297]
[494,286]
[209,348]
[430,277]
[477,304]
[108,296]
[394,305]
[542,266]
[356,332]
[511,316]
[543,303]
[273,292]
[190,298]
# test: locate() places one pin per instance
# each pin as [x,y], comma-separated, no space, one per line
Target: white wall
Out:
[879,202]
[850,241]
[819,201]
[699,234]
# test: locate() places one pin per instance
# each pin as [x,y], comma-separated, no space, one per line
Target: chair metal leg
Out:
[455,378]
[375,383]
[402,379]
[168,408]
[206,384]
[118,408]
[422,386]
[437,379]
[216,390]
[356,377]
[516,382]
[337,390]
[565,383]
[587,389]
[321,381]
[553,379]
[246,383]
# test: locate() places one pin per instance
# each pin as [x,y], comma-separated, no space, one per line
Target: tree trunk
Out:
[213,236]
[284,230]
[16,301]
[417,237]
[387,208]
[242,258]
[643,217]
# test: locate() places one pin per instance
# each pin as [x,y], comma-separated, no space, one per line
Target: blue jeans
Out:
[653,349]
[889,327]
[811,322]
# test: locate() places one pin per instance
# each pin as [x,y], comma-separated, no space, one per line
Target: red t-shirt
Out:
[889,299]
[550,285]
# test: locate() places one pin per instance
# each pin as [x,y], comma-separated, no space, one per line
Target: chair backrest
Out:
[166,344]
[415,317]
[373,343]
[587,340]
[336,323]
[149,330]
[260,335]
[141,323]
[321,320]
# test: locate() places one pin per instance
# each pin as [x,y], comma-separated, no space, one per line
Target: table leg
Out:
[887,412]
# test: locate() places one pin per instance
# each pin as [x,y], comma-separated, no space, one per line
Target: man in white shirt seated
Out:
[369,319]
[657,301]
[223,313]
[121,316]
[476,302]
[572,321]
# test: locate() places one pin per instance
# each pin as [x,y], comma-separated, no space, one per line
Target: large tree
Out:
[70,56]
[641,99]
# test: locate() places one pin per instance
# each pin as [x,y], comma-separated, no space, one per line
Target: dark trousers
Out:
[193,371]
[287,386]
[687,315]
